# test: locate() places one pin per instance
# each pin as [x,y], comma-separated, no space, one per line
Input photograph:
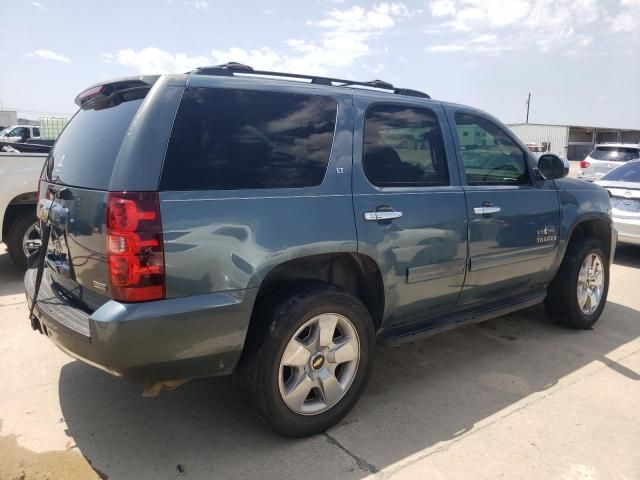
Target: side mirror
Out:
[551,166]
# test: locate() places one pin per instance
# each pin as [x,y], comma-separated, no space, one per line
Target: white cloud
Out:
[155,60]
[627,18]
[301,56]
[198,4]
[358,19]
[260,58]
[517,24]
[37,4]
[443,8]
[490,47]
[496,13]
[48,55]
[344,38]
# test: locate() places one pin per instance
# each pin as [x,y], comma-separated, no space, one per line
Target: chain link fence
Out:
[50,127]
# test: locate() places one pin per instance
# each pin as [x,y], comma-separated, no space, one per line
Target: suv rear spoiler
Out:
[105,89]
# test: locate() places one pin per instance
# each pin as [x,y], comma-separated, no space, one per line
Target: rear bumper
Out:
[628,230]
[172,339]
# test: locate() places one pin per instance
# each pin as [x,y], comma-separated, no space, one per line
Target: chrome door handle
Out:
[486,210]
[382,215]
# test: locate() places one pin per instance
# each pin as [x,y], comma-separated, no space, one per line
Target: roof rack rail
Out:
[232,68]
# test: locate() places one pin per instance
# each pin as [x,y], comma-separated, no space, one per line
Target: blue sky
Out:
[579,58]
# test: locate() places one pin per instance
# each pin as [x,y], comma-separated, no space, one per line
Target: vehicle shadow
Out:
[11,277]
[421,393]
[627,256]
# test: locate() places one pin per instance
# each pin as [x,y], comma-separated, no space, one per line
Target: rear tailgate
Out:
[76,251]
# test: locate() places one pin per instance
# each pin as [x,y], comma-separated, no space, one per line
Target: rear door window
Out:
[231,139]
[615,154]
[85,153]
[403,147]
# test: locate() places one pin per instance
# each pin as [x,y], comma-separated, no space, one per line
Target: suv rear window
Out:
[615,154]
[231,139]
[85,153]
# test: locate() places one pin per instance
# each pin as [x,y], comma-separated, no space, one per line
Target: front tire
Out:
[578,294]
[312,362]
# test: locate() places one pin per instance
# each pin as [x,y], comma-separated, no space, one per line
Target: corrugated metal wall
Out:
[556,135]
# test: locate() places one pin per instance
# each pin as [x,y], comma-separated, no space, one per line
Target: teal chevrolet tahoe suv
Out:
[276,226]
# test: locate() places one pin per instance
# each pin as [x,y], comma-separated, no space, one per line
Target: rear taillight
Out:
[135,253]
[584,164]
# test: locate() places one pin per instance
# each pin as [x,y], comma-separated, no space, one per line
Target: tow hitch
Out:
[50,214]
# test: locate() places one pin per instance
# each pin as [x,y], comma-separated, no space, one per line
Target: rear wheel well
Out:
[23,204]
[356,274]
[596,228]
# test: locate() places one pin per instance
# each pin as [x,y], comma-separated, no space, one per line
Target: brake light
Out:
[135,252]
[90,93]
[584,164]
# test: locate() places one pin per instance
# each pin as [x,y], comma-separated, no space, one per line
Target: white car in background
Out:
[605,157]
[623,184]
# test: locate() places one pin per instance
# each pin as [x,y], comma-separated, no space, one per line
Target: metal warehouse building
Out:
[571,141]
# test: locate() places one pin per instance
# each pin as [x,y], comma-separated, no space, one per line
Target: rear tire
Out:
[574,297]
[16,237]
[302,348]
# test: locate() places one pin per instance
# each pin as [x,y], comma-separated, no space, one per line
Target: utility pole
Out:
[528,104]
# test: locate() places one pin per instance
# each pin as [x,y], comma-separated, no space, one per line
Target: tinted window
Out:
[86,151]
[226,139]
[489,155]
[18,132]
[615,154]
[403,147]
[36,132]
[629,172]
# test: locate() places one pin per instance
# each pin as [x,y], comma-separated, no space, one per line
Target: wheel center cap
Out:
[317,362]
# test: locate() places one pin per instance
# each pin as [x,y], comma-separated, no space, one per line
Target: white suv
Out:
[606,157]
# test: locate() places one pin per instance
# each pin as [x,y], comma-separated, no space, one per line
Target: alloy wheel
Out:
[319,364]
[590,283]
[32,240]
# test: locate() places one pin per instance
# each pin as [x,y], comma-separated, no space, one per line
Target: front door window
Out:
[489,156]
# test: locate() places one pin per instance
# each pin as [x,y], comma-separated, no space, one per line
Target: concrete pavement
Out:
[515,397]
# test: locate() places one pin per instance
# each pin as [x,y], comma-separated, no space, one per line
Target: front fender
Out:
[581,202]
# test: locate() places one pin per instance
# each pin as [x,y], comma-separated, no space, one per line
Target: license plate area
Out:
[625,204]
